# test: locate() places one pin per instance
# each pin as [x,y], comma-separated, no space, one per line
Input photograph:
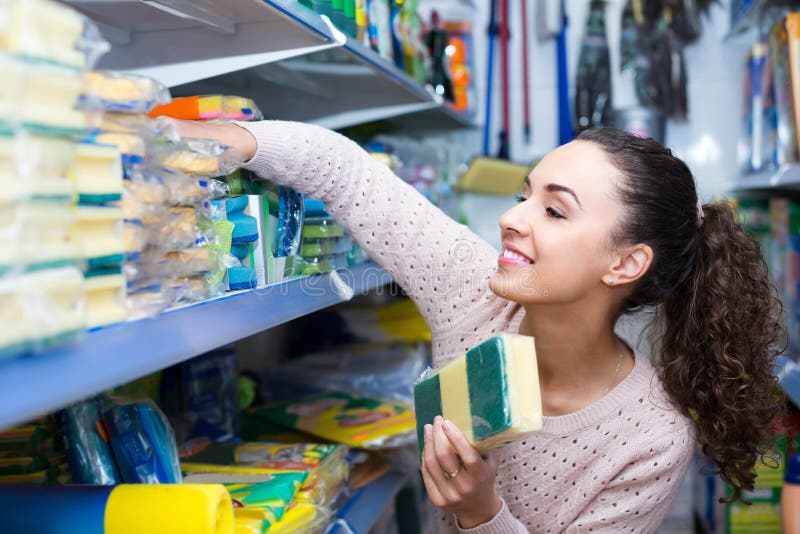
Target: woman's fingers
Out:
[468,454]
[445,453]
[430,486]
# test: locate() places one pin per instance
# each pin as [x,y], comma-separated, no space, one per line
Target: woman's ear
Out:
[630,264]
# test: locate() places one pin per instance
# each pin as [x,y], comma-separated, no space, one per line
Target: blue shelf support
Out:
[366,506]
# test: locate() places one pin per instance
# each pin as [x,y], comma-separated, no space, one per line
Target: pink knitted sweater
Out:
[613,466]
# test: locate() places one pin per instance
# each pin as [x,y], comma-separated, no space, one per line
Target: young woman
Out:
[606,225]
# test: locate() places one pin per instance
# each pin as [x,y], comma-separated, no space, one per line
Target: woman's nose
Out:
[513,220]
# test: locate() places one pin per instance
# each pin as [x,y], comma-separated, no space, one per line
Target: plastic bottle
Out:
[790,497]
[439,74]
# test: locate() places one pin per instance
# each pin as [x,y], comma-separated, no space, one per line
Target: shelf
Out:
[181,41]
[787,177]
[293,62]
[336,88]
[111,356]
[788,375]
[748,19]
[368,503]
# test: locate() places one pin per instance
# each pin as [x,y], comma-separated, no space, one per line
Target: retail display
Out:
[790,495]
[122,509]
[343,418]
[491,393]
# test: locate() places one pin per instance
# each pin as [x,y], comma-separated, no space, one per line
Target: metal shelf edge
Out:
[120,353]
[364,508]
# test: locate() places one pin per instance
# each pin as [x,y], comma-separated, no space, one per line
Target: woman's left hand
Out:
[457,477]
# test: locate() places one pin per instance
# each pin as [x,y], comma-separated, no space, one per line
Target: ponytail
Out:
[718,321]
[719,327]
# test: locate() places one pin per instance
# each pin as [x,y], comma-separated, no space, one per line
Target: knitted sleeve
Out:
[441,264]
[637,499]
[502,523]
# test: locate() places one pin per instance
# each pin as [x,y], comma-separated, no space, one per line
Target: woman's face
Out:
[556,240]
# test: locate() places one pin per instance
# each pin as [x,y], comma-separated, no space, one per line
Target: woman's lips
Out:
[510,257]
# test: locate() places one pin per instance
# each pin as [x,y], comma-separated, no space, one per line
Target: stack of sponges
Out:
[33,454]
[325,245]
[173,245]
[45,48]
[491,393]
[244,220]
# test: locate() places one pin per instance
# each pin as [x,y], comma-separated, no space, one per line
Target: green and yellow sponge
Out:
[491,393]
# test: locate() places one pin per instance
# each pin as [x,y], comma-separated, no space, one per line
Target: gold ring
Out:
[454,474]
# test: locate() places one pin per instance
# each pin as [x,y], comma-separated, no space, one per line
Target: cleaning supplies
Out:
[349,419]
[143,443]
[208,107]
[491,394]
[123,509]
[790,496]
[86,441]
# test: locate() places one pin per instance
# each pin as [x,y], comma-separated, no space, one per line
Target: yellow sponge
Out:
[491,393]
[494,176]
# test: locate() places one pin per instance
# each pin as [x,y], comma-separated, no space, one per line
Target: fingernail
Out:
[437,419]
[427,430]
[448,426]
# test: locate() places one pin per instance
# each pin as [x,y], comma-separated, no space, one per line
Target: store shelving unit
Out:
[788,374]
[364,508]
[748,19]
[787,177]
[296,65]
[293,62]
[111,356]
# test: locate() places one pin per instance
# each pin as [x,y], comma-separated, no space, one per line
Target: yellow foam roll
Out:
[169,509]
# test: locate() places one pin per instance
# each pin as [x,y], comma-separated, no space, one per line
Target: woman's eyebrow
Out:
[554,188]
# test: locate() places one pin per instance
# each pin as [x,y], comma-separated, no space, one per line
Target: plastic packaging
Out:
[202,389]
[54,306]
[286,213]
[34,166]
[178,228]
[48,31]
[302,518]
[320,265]
[188,290]
[325,247]
[183,190]
[319,228]
[85,438]
[200,157]
[357,421]
[143,443]
[41,98]
[146,300]
[384,370]
[37,235]
[120,92]
[207,107]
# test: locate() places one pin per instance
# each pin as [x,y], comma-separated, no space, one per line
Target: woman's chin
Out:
[516,287]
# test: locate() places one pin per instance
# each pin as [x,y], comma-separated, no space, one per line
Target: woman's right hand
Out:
[240,141]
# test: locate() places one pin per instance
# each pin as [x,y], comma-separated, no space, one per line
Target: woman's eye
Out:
[519,197]
[553,213]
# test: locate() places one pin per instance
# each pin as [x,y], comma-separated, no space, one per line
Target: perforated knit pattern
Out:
[613,466]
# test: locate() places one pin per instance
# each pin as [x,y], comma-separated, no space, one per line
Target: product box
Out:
[762,516]
[784,38]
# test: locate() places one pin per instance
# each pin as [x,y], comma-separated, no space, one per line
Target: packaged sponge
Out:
[491,393]
[121,92]
[48,31]
[209,107]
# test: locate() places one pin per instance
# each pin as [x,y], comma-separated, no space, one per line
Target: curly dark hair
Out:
[718,318]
